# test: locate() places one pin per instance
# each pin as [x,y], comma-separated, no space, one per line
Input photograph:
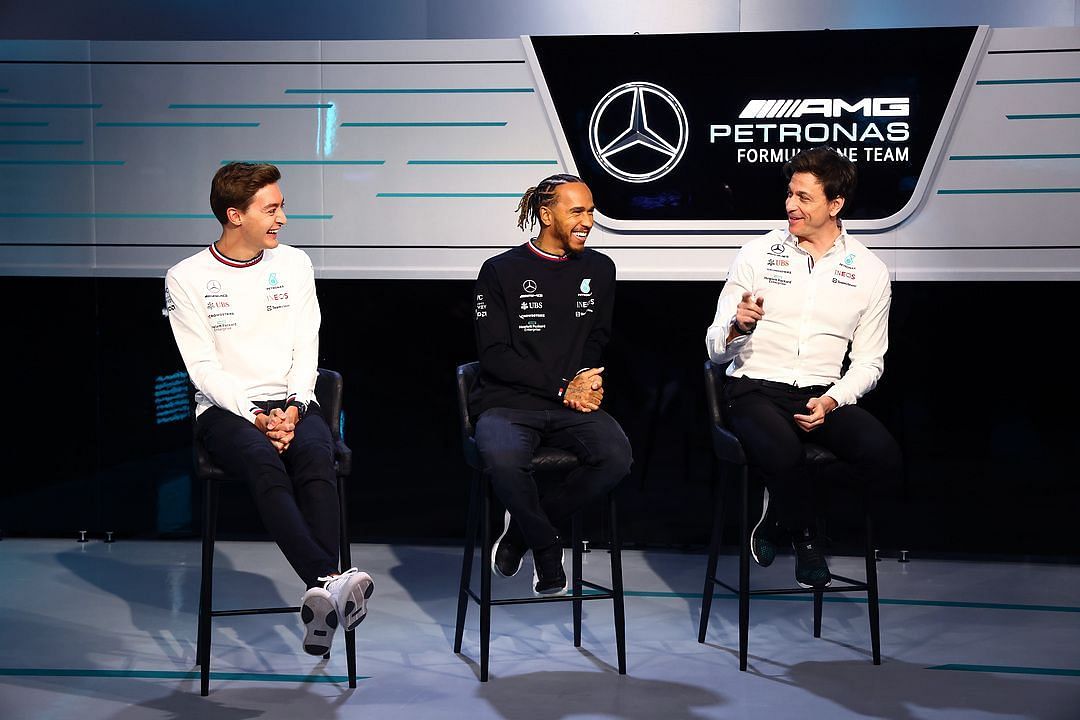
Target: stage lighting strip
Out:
[132,216]
[175,675]
[403,91]
[41,142]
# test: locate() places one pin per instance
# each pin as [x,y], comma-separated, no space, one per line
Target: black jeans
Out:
[295,491]
[761,417]
[508,438]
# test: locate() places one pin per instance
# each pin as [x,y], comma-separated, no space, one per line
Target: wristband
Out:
[301,408]
[738,328]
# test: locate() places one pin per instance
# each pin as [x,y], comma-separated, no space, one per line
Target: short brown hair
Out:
[235,185]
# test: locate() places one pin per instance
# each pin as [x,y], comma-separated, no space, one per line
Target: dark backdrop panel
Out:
[978,390]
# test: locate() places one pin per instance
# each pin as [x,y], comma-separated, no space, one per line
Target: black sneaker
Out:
[811,570]
[509,550]
[766,536]
[549,578]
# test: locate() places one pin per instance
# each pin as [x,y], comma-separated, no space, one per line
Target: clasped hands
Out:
[586,391]
[279,426]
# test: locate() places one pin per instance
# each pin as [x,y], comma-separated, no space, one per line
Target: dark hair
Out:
[834,171]
[542,195]
[235,185]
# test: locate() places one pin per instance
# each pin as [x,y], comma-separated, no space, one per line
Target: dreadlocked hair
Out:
[543,195]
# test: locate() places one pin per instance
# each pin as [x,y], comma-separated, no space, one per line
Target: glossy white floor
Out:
[101,630]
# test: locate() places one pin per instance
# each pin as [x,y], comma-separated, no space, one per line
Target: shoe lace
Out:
[327,579]
[811,554]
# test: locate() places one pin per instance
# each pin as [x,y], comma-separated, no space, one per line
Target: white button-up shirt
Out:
[813,311]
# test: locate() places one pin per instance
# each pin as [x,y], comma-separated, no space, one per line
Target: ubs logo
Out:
[638,132]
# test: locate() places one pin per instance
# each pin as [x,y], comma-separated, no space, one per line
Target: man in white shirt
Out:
[795,303]
[246,320]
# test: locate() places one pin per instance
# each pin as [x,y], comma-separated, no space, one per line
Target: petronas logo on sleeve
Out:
[585,286]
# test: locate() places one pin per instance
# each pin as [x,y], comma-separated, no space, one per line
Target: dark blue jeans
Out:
[295,492]
[508,438]
[761,417]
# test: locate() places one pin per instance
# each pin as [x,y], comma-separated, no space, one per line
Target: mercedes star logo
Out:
[638,132]
[213,286]
[529,286]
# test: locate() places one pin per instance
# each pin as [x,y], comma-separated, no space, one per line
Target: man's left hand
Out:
[586,391]
[281,427]
[817,408]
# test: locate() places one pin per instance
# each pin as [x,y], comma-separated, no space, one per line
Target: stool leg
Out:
[466,561]
[710,567]
[485,578]
[206,590]
[575,554]
[744,567]
[872,593]
[617,585]
[345,552]
[819,598]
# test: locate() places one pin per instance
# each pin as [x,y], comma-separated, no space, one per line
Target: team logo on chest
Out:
[277,295]
[531,305]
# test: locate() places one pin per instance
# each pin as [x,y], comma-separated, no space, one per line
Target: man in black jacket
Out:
[543,317]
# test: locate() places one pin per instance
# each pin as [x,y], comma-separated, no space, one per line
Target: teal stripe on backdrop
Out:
[862,600]
[1042,156]
[404,91]
[1007,191]
[137,216]
[23,124]
[1008,669]
[250,106]
[439,123]
[50,106]
[447,195]
[1045,116]
[310,162]
[174,675]
[41,142]
[177,124]
[61,162]
[1028,81]
[483,162]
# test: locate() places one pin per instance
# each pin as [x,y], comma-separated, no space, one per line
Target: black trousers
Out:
[507,439]
[761,417]
[295,491]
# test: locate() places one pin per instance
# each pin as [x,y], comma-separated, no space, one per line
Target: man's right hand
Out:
[586,391]
[750,310]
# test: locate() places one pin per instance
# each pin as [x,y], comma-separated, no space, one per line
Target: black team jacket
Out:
[540,319]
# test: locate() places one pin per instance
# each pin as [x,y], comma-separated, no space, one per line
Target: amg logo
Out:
[827,107]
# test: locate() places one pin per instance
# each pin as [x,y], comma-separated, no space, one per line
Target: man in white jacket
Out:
[246,320]
[794,302]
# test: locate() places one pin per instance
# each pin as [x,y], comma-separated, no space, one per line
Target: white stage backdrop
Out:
[405,159]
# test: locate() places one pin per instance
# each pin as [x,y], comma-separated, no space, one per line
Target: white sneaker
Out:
[320,617]
[350,591]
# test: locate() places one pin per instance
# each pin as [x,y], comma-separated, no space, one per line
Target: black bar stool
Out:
[328,393]
[729,453]
[479,521]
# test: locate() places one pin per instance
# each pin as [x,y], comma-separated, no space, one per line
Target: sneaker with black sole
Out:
[549,578]
[509,550]
[350,592]
[767,536]
[320,617]
[811,570]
